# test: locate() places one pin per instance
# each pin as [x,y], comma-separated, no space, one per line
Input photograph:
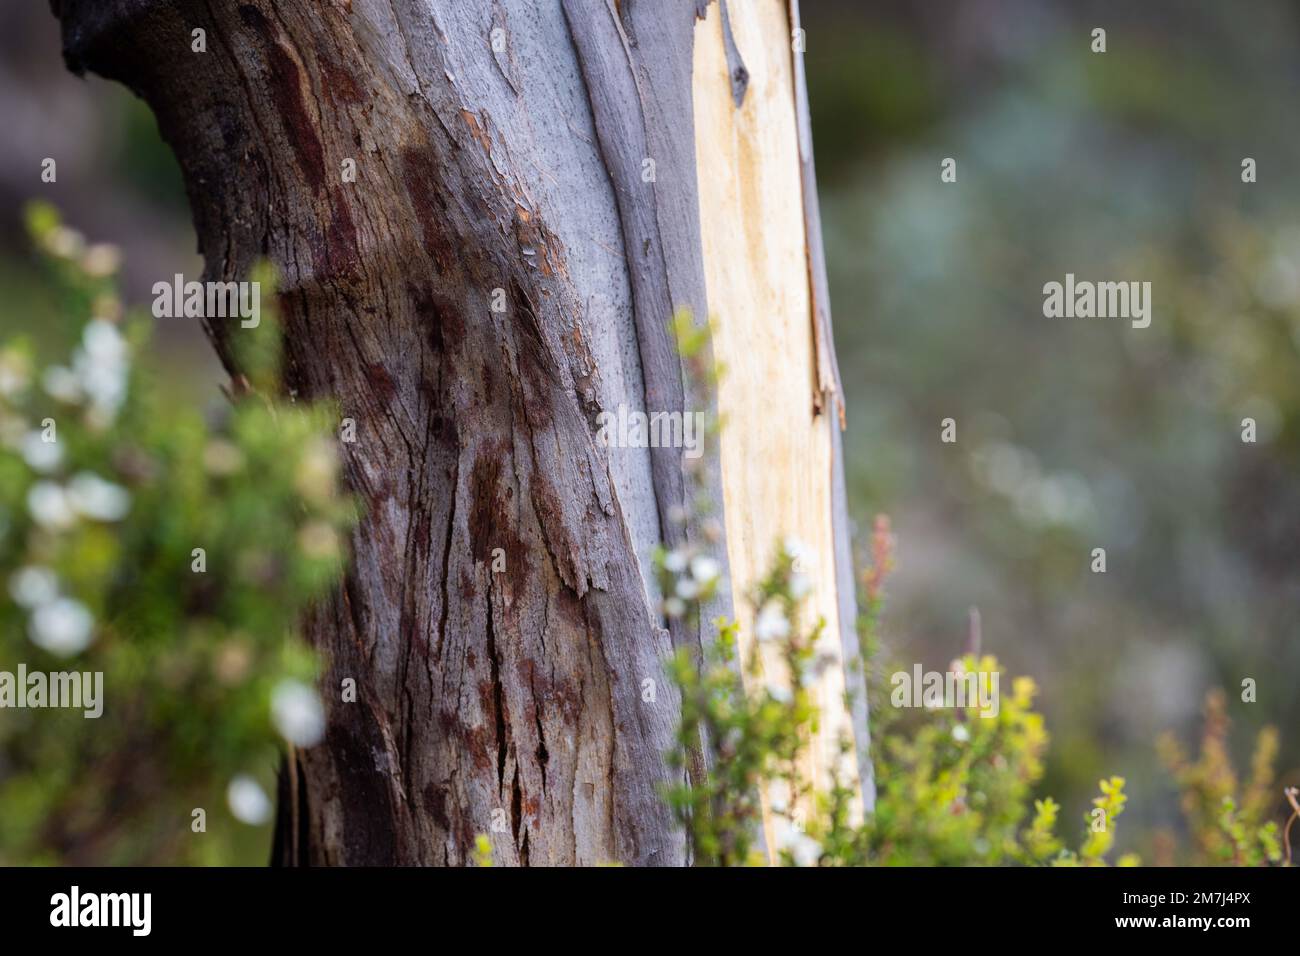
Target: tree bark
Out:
[503,145]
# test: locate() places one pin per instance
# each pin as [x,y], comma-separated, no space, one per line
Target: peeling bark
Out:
[482,697]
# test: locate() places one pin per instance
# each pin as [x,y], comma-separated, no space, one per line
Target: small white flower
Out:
[675,561]
[33,585]
[41,455]
[101,364]
[49,506]
[797,550]
[62,626]
[772,624]
[297,712]
[800,585]
[705,569]
[674,607]
[687,589]
[102,343]
[806,850]
[98,499]
[960,733]
[778,794]
[784,831]
[248,801]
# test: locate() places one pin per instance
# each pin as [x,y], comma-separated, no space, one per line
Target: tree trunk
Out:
[542,154]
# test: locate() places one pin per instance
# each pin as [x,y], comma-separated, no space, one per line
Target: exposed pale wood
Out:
[779,444]
[828,376]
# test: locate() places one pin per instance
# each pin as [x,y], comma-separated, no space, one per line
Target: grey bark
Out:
[478,169]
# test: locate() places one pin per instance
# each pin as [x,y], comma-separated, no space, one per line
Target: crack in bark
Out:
[385,306]
[736,70]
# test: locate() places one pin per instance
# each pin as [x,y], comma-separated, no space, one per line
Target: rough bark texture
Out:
[515,694]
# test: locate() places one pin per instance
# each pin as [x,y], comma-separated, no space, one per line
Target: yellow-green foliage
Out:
[191,660]
[954,787]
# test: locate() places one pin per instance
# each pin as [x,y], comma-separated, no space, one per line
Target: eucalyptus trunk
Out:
[539,186]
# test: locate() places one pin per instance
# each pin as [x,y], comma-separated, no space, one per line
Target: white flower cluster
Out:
[772,623]
[57,507]
[97,379]
[692,577]
[56,623]
[803,561]
[98,376]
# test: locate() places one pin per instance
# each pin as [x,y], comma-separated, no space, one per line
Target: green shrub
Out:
[954,787]
[107,489]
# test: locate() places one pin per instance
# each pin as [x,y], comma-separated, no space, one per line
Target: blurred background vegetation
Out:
[1071,434]
[1075,434]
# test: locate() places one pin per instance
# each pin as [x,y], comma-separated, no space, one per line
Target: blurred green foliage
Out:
[1073,435]
[1230,823]
[107,490]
